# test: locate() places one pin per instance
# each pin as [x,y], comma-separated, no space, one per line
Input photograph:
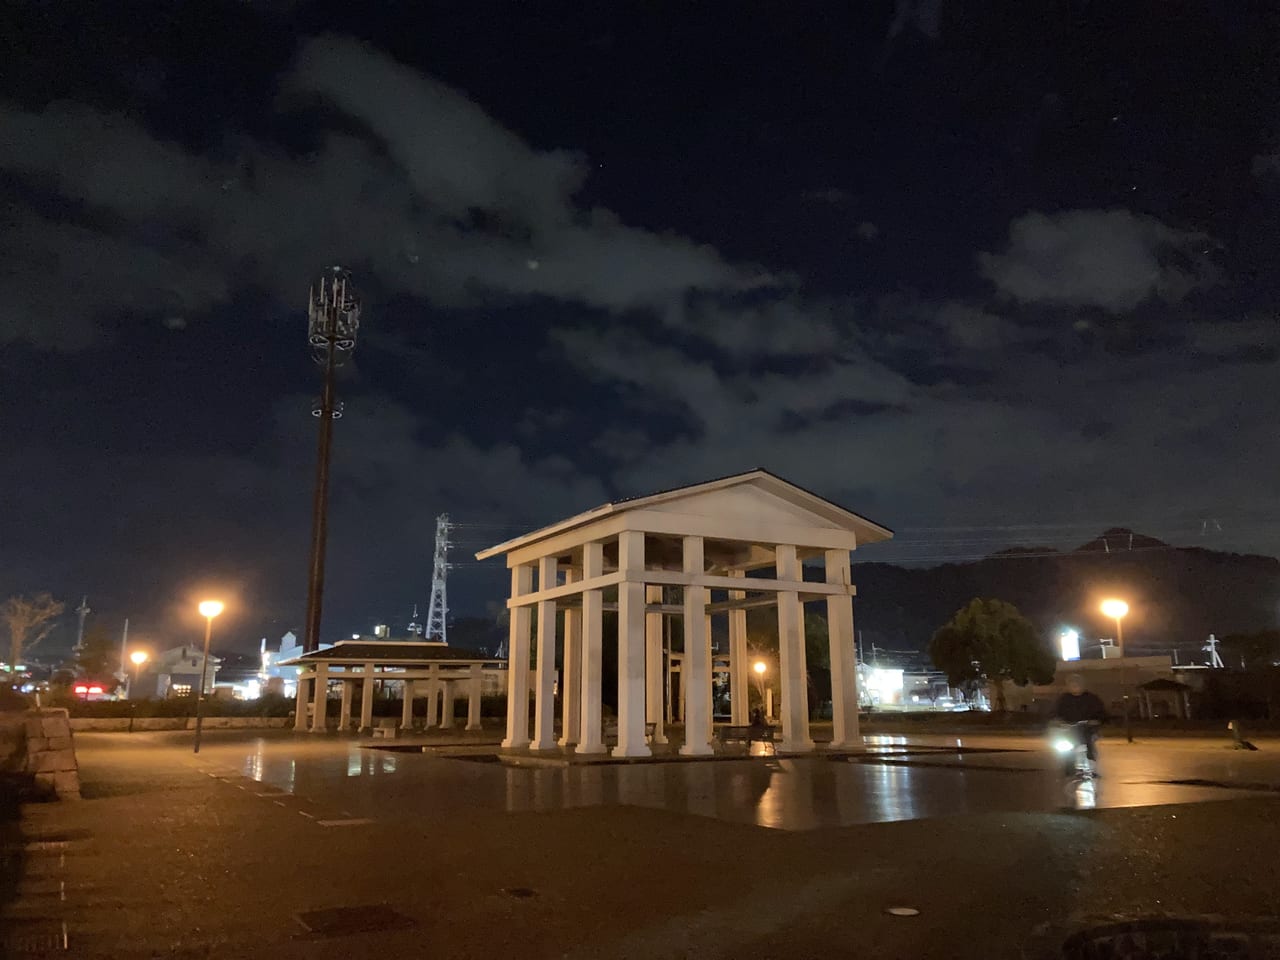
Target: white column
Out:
[844,663]
[653,679]
[518,662]
[571,690]
[406,710]
[303,699]
[320,714]
[695,667]
[344,712]
[591,741]
[474,686]
[739,665]
[366,699]
[544,694]
[631,691]
[446,715]
[791,666]
[433,698]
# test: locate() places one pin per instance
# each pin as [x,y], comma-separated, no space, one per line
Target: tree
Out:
[29,621]
[990,640]
[99,656]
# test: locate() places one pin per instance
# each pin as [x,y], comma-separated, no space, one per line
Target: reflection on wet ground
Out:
[898,779]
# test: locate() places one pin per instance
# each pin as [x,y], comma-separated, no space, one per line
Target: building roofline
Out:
[625,504]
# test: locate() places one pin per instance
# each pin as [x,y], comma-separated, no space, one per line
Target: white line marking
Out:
[278,803]
[62,890]
[355,822]
[309,816]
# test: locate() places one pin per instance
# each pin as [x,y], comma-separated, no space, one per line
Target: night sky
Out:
[988,273]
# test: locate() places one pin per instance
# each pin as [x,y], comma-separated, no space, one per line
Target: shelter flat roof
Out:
[392,652]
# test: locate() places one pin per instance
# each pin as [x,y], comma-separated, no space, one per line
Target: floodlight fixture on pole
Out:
[333,321]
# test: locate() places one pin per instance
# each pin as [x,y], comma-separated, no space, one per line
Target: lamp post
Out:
[765,694]
[333,320]
[1116,609]
[208,609]
[138,658]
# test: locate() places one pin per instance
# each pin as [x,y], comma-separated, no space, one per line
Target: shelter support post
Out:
[366,699]
[795,685]
[446,708]
[406,708]
[303,700]
[571,691]
[695,666]
[518,662]
[655,711]
[592,740]
[344,711]
[844,663]
[474,686]
[320,714]
[739,667]
[544,735]
[631,649]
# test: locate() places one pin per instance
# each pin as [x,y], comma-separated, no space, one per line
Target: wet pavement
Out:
[287,847]
[897,778]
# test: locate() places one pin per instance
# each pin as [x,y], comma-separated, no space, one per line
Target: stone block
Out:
[60,743]
[67,785]
[56,726]
[34,726]
[51,761]
[37,744]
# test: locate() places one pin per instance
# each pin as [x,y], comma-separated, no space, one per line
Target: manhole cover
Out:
[902,911]
[520,893]
[341,921]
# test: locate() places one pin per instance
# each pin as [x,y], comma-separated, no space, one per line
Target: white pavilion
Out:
[730,545]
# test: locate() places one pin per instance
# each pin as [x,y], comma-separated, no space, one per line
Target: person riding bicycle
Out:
[1083,711]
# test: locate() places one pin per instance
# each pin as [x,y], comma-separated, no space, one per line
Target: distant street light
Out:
[1117,609]
[208,609]
[333,321]
[759,667]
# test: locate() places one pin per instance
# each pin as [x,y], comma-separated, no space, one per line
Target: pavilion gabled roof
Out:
[829,513]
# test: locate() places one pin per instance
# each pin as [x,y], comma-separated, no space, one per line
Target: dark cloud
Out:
[444,203]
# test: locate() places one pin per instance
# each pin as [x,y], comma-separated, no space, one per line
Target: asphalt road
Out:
[219,855]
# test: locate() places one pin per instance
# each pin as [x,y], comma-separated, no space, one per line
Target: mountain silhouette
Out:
[1177,595]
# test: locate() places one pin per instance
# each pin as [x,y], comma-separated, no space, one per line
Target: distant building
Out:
[176,673]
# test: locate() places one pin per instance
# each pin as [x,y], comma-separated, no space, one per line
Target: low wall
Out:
[151,724]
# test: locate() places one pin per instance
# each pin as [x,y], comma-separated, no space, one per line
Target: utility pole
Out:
[333,320]
[438,608]
[82,611]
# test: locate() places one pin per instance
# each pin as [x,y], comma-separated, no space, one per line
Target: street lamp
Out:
[208,609]
[138,657]
[765,694]
[333,320]
[1117,609]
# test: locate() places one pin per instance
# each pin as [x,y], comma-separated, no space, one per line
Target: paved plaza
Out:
[221,854]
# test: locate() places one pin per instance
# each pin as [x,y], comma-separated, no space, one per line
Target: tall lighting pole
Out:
[333,320]
[1116,609]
